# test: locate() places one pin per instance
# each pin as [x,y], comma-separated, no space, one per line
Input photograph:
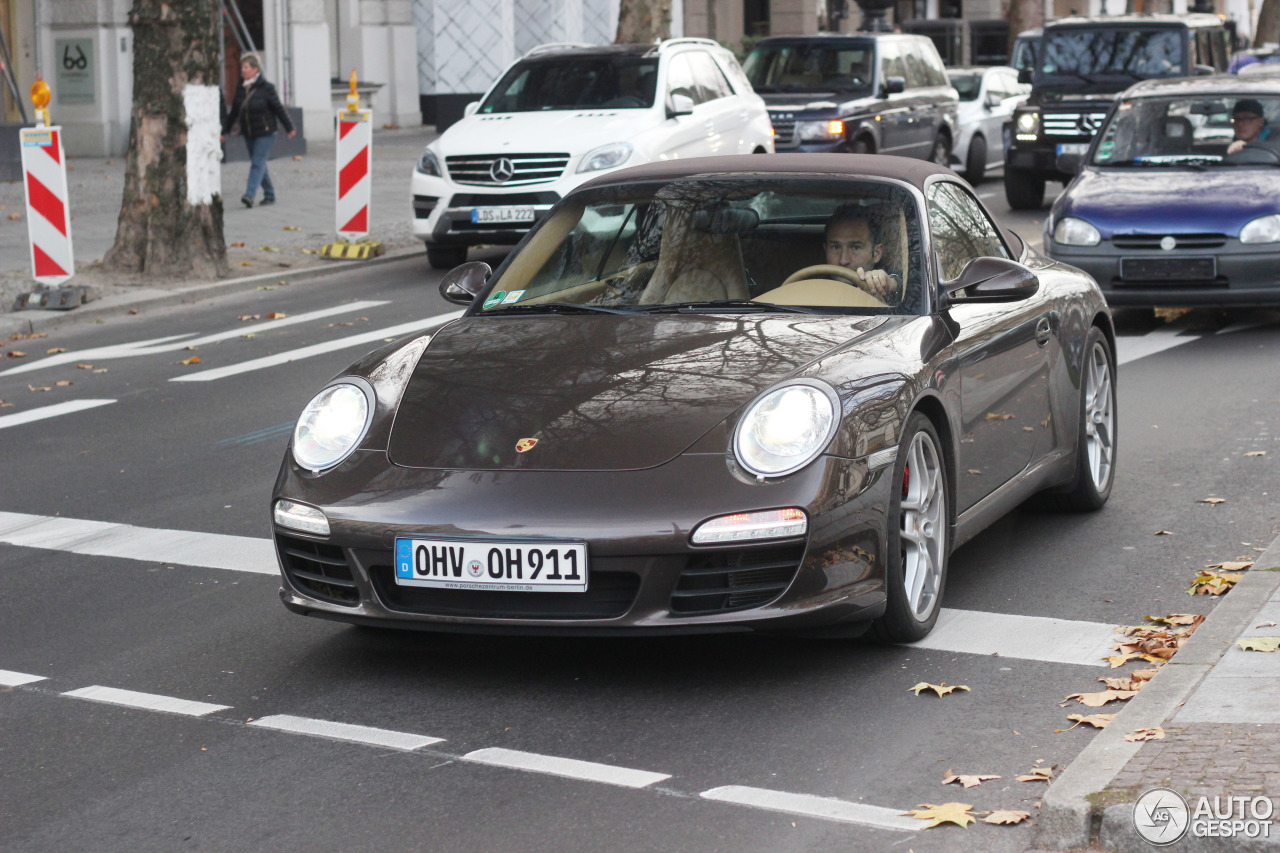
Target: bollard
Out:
[44,176]
[355,182]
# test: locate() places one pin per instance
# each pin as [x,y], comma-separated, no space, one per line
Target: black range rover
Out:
[1083,63]
[871,93]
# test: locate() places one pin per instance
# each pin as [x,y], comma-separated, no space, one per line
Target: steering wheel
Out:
[828,284]
[828,271]
[1254,154]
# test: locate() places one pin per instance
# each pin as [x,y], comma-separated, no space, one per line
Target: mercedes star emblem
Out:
[502,170]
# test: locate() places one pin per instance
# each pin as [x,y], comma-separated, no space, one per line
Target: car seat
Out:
[1178,135]
[695,264]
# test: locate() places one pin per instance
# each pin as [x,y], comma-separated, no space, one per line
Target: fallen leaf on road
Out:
[941,689]
[1265,625]
[13,353]
[39,388]
[1127,682]
[268,249]
[237,245]
[243,317]
[292,228]
[1025,429]
[1213,583]
[1211,501]
[1164,533]
[1178,619]
[1155,733]
[15,216]
[246,263]
[100,370]
[1233,565]
[53,350]
[975,470]
[85,366]
[1102,697]
[249,335]
[957,813]
[965,779]
[1256,453]
[1038,774]
[1120,660]
[1098,721]
[277,315]
[195,359]
[1258,644]
[133,310]
[63,383]
[1005,816]
[999,416]
[331,325]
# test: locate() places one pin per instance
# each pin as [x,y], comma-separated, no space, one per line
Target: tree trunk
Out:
[643,21]
[1024,15]
[171,216]
[1268,30]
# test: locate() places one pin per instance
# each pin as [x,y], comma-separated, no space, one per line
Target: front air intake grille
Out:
[423,205]
[505,170]
[723,581]
[1181,241]
[608,596]
[317,569]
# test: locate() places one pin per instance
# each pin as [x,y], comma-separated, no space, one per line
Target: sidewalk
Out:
[1220,708]
[261,241]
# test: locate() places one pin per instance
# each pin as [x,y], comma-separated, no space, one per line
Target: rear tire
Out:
[975,167]
[1096,441]
[918,541]
[446,257]
[1023,190]
[860,146]
[940,155]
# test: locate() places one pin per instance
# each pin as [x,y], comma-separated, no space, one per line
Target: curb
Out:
[1067,816]
[27,322]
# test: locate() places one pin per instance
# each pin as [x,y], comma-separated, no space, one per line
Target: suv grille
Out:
[318,569]
[1183,241]
[784,133]
[1072,124]
[722,581]
[478,169]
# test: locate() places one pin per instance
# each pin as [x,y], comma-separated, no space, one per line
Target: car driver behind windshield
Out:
[1249,122]
[852,240]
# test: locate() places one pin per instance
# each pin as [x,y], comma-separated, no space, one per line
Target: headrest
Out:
[723,219]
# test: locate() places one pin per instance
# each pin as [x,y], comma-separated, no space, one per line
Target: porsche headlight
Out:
[429,163]
[1071,231]
[1264,229]
[605,157]
[1027,126]
[816,131]
[785,429]
[331,426]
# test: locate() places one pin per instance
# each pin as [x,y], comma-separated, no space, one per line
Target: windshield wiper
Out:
[554,308]
[714,305]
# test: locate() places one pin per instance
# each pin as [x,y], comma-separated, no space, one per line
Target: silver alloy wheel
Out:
[1099,416]
[924,526]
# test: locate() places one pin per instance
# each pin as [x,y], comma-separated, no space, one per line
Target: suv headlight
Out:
[1264,229]
[1071,231]
[1026,126]
[818,131]
[605,157]
[428,163]
[786,428]
[332,425]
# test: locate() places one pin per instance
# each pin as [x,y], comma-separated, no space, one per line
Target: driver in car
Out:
[1250,124]
[852,240]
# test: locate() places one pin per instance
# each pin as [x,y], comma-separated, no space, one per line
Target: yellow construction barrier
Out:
[341,250]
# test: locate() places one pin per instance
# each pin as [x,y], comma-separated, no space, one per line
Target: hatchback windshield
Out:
[843,66]
[1189,131]
[575,82]
[1120,51]
[706,245]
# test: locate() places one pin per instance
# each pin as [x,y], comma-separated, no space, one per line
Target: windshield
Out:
[1024,52]
[1122,51]
[575,82]
[706,244]
[801,67]
[967,85]
[1186,131]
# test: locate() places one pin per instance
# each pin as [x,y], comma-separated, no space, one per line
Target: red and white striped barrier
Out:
[44,174]
[355,167]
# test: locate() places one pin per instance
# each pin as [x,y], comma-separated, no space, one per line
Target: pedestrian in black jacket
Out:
[256,108]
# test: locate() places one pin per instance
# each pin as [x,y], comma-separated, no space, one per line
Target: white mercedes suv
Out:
[563,114]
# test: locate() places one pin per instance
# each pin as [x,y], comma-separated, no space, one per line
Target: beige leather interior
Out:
[821,291]
[695,266]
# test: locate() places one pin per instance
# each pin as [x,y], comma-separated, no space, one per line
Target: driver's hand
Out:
[1236,145]
[875,282]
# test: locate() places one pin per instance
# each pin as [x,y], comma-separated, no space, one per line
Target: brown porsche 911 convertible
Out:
[747,393]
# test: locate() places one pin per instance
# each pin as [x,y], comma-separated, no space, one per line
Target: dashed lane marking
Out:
[590,771]
[67,408]
[345,731]
[809,805]
[1037,638]
[145,701]
[9,678]
[316,349]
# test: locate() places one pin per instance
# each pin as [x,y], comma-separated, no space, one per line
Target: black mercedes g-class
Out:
[869,93]
[1083,64]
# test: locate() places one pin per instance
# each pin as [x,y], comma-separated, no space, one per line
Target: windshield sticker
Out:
[495,299]
[513,296]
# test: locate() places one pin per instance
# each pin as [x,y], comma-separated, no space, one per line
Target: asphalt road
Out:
[185,455]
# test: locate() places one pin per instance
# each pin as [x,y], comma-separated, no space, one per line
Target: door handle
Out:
[1044,331]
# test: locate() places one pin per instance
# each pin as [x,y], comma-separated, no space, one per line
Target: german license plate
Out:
[492,565]
[482,215]
[1168,269]
[1073,148]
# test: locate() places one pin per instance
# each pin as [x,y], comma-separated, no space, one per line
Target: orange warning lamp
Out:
[40,97]
[353,97]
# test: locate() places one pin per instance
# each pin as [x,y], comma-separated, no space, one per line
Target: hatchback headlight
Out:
[605,157]
[428,163]
[1264,229]
[1071,231]
[817,131]
[785,429]
[332,425]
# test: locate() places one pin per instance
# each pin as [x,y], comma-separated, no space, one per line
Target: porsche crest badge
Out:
[525,444]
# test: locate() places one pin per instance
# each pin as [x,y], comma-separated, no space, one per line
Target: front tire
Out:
[919,536]
[1096,441]
[1023,190]
[975,166]
[446,257]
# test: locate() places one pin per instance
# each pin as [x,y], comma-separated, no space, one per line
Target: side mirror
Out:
[679,105]
[470,109]
[462,284]
[993,280]
[1204,70]
[1024,75]
[1069,164]
[994,100]
[894,85]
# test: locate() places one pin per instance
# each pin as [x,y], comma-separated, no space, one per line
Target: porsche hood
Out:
[595,392]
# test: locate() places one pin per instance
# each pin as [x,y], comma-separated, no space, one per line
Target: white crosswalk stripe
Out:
[44,412]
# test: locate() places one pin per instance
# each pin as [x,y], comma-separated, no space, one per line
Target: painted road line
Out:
[146,544]
[1006,635]
[809,805]
[9,678]
[177,342]
[145,701]
[259,436]
[345,731]
[53,411]
[317,349]
[570,767]
[1131,349]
